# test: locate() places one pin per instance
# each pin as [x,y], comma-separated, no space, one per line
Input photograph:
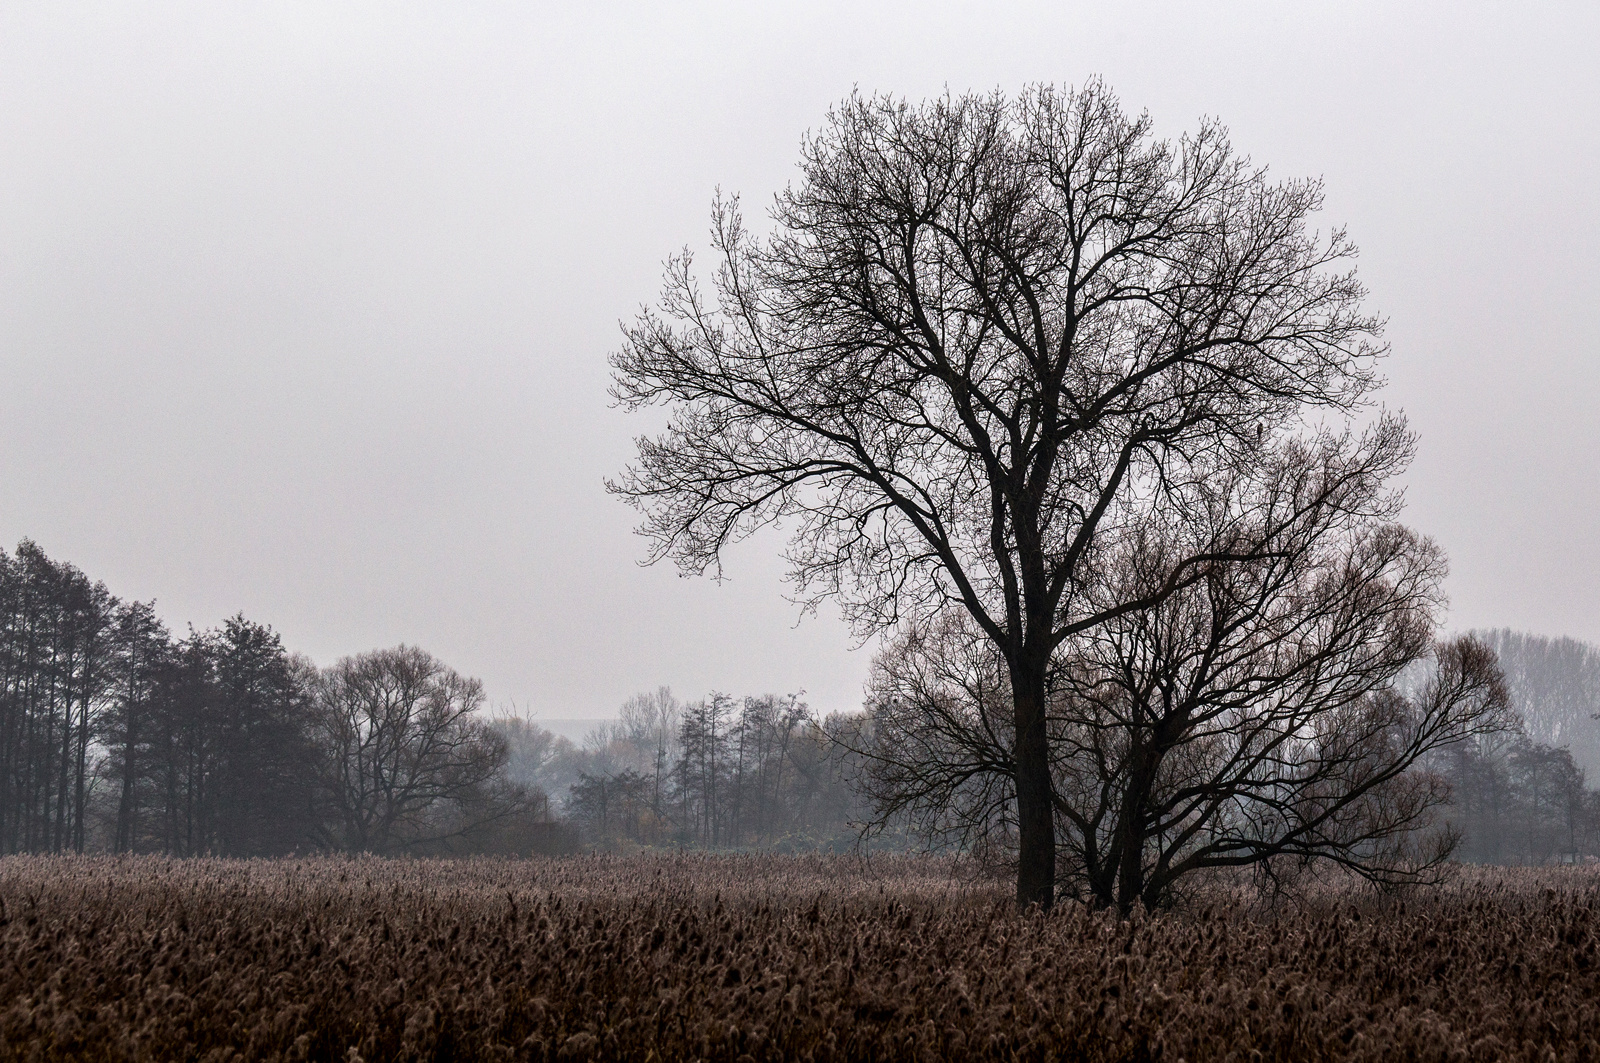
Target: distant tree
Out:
[823,789]
[1552,806]
[1519,801]
[703,768]
[760,743]
[612,808]
[643,742]
[988,341]
[184,752]
[1554,685]
[532,752]
[650,724]
[403,743]
[264,798]
[1481,794]
[142,655]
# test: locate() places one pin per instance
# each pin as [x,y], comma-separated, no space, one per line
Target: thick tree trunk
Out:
[1130,837]
[1036,835]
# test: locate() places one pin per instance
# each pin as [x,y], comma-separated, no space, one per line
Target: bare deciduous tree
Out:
[1258,714]
[987,338]
[402,738]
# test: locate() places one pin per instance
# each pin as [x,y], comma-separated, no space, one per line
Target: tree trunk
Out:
[80,796]
[1129,845]
[125,813]
[1036,834]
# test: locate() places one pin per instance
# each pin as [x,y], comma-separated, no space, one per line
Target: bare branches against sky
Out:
[304,309]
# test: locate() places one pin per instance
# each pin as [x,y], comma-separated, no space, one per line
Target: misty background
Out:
[304,308]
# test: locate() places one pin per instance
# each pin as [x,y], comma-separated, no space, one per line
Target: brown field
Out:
[767,958]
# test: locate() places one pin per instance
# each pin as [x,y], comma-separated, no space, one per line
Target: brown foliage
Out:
[766,958]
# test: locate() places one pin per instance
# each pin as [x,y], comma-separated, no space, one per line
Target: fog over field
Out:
[305,308]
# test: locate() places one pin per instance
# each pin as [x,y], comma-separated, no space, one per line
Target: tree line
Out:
[1523,797]
[763,772]
[117,735]
[114,734]
[724,772]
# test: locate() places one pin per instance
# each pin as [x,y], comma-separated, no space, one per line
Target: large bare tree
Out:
[985,338]
[1276,711]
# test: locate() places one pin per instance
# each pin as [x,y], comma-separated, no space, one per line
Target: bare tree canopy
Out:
[1263,715]
[402,736]
[988,341]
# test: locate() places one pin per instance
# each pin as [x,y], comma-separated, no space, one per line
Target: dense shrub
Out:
[767,958]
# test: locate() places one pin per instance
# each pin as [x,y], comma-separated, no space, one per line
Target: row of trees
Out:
[762,772]
[114,734]
[1515,800]
[1522,797]
[717,773]
[1555,685]
[56,648]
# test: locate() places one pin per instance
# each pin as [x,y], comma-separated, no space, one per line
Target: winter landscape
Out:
[856,533]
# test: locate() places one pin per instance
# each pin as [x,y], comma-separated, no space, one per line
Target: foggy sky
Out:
[304,307]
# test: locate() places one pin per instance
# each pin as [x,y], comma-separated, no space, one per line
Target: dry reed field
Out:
[767,958]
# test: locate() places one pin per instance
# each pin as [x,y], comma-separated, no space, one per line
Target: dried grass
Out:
[758,958]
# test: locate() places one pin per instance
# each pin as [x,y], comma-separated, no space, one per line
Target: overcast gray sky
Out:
[304,307]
